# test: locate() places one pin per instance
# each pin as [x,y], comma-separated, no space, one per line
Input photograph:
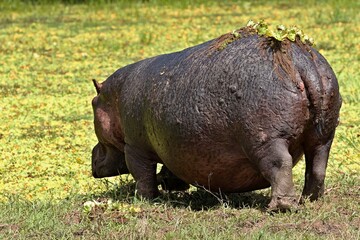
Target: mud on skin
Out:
[234,118]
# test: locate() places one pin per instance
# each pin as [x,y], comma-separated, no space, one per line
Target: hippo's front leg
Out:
[275,163]
[143,169]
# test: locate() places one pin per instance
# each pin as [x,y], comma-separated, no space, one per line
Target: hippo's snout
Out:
[97,158]
[107,161]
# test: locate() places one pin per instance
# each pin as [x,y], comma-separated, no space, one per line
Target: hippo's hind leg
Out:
[143,169]
[316,157]
[275,164]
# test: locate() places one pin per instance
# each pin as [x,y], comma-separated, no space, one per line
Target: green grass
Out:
[49,53]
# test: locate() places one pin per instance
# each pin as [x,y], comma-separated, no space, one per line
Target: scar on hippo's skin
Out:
[262,136]
[301,86]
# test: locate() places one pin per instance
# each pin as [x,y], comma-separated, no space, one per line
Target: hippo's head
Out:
[108,157]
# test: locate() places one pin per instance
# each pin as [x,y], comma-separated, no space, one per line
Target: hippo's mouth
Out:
[107,161]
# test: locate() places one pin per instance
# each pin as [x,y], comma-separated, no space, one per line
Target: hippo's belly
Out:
[237,175]
[218,168]
[215,169]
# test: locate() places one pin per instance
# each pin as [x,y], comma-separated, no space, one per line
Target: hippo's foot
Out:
[312,194]
[169,182]
[143,191]
[282,203]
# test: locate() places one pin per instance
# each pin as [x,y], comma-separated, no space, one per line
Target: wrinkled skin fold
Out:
[233,119]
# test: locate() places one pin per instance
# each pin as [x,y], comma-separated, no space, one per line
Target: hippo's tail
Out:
[321,87]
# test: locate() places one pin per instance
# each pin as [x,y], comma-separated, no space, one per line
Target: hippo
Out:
[233,114]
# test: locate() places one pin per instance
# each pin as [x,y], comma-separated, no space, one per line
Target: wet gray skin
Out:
[233,119]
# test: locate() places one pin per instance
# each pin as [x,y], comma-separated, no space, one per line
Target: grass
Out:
[49,53]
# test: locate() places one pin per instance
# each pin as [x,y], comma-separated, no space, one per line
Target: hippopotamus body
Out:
[231,114]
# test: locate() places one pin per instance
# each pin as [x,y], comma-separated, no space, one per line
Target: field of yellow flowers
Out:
[50,52]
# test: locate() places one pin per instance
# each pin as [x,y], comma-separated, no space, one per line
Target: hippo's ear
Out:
[97,86]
